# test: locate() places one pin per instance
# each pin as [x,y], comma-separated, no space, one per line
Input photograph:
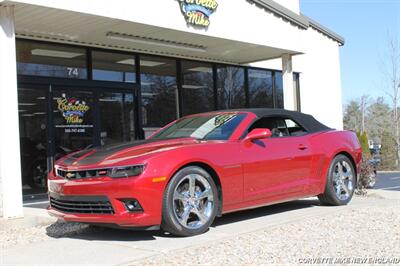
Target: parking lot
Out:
[283,233]
[388,181]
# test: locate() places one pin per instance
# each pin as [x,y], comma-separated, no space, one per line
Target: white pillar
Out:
[289,94]
[10,166]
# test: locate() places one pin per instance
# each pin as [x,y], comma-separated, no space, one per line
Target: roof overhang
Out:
[299,20]
[58,25]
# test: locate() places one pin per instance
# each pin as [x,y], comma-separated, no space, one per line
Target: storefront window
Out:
[50,60]
[159,92]
[116,117]
[260,89]
[33,139]
[296,85]
[113,67]
[231,93]
[279,89]
[197,87]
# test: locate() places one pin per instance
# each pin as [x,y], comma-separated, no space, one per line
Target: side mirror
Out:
[258,133]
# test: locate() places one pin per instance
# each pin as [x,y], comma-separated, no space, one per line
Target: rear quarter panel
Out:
[325,146]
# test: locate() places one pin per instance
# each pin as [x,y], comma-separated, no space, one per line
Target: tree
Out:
[352,116]
[388,153]
[391,72]
[378,119]
[363,139]
[363,106]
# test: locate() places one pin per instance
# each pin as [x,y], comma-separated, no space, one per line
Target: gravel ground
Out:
[372,232]
[22,236]
[366,232]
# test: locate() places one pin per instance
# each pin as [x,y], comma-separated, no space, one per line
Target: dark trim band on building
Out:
[283,12]
[324,30]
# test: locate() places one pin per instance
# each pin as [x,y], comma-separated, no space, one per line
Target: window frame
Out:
[283,117]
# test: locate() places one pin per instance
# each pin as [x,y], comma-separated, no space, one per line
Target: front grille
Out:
[92,205]
[72,175]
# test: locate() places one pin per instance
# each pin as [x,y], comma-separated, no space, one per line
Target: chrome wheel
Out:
[343,180]
[193,201]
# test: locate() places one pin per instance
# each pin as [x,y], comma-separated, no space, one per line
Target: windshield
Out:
[207,127]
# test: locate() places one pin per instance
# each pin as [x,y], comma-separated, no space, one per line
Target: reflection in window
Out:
[210,127]
[50,60]
[113,67]
[279,89]
[32,130]
[198,88]
[231,93]
[117,117]
[159,92]
[260,89]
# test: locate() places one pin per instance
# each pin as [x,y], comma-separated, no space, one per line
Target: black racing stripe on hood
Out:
[100,154]
[71,159]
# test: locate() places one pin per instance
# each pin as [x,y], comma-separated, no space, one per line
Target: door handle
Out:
[302,147]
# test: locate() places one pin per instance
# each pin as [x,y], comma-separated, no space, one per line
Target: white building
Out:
[129,67]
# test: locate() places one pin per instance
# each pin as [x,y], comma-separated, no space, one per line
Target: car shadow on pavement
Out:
[62,229]
[265,211]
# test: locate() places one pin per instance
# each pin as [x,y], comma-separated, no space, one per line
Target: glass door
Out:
[32,108]
[73,120]
[55,120]
[84,118]
[117,116]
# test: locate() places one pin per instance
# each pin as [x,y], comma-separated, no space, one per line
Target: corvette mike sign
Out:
[198,12]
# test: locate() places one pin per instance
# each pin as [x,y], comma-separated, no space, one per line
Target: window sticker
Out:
[73,110]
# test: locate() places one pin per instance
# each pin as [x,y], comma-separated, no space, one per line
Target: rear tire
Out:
[190,202]
[340,183]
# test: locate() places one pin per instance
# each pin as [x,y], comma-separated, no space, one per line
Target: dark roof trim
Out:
[282,11]
[301,20]
[307,121]
[324,30]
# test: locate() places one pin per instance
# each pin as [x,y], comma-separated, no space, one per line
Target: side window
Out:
[294,129]
[280,127]
[277,126]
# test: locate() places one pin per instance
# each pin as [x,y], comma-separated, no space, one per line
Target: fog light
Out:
[132,205]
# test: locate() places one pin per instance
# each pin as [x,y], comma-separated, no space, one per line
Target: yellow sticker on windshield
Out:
[222,119]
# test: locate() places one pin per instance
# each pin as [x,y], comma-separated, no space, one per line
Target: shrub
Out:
[366,170]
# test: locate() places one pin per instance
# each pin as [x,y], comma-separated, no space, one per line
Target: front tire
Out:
[340,183]
[190,202]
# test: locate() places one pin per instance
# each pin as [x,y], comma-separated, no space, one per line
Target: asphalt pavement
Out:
[388,181]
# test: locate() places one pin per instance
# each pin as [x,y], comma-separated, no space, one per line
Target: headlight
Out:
[126,171]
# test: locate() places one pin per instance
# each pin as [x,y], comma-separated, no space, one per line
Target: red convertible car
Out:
[202,166]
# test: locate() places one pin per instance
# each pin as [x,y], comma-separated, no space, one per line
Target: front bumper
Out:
[148,193]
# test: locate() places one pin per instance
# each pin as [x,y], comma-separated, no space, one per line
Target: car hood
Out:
[115,154]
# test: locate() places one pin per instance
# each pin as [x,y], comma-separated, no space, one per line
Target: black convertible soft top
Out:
[308,122]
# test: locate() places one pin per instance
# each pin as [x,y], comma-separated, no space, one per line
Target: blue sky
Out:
[366,25]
